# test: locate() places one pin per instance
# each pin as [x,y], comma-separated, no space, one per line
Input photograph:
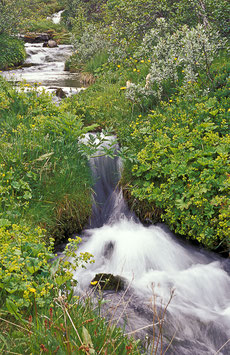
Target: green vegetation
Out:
[45,182]
[68,327]
[12,52]
[164,87]
[44,177]
[45,316]
[162,84]
[182,161]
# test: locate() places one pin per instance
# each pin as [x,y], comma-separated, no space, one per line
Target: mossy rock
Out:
[109,282]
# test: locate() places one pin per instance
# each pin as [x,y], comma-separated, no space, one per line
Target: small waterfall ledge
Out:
[154,263]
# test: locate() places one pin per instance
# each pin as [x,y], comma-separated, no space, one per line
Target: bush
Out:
[12,52]
[177,57]
[44,176]
[182,157]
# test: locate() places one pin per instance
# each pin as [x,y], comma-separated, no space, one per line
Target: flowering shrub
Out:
[182,159]
[26,275]
[90,43]
[181,55]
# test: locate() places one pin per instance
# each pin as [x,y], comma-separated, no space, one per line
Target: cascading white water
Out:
[56,18]
[154,261]
[46,67]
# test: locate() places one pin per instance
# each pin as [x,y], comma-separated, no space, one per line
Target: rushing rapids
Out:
[45,67]
[154,262]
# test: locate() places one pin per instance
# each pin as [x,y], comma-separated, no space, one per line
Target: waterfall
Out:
[154,261]
[56,18]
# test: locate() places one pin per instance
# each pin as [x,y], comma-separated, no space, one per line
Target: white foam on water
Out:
[154,262]
[46,67]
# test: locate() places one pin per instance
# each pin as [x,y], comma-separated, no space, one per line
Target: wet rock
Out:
[109,282]
[52,44]
[108,250]
[33,37]
[45,44]
[60,93]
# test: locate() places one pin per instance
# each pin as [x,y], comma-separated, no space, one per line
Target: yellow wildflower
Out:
[93,283]
[31,289]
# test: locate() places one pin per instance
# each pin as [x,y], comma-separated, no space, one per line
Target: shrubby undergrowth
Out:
[182,55]
[182,164]
[12,52]
[44,177]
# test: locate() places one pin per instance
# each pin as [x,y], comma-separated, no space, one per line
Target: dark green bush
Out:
[12,52]
[182,160]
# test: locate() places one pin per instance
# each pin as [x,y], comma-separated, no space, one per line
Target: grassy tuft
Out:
[12,52]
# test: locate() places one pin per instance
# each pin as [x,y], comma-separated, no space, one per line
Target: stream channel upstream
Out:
[151,259]
[45,67]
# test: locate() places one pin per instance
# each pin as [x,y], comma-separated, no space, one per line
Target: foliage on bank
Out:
[182,160]
[12,52]
[163,84]
[44,177]
[45,316]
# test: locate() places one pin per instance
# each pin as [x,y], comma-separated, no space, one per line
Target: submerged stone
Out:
[109,282]
[60,93]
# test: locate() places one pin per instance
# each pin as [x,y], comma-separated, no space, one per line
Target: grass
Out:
[12,52]
[65,328]
[46,180]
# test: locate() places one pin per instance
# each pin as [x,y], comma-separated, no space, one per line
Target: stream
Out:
[151,259]
[154,262]
[45,67]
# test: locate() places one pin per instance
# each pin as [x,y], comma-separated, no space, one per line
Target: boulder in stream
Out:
[109,282]
[60,93]
[52,44]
